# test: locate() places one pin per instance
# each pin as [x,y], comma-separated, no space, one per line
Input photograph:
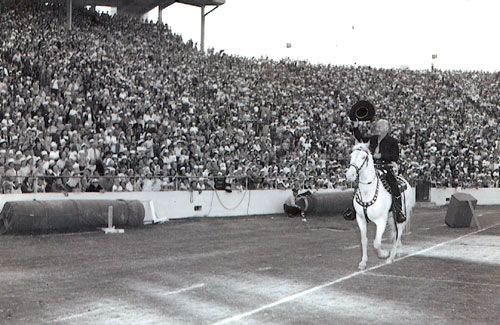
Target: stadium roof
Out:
[140,7]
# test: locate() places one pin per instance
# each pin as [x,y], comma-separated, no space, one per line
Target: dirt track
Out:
[254,270]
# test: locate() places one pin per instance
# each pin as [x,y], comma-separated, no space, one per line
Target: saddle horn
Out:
[363,110]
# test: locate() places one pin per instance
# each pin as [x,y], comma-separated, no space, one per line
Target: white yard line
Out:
[347,277]
[196,286]
[102,310]
[433,280]
[62,319]
[352,247]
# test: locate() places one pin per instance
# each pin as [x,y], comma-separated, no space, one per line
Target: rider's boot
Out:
[396,209]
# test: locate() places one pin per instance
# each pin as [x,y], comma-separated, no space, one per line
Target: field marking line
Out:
[196,286]
[347,277]
[381,275]
[69,317]
[65,318]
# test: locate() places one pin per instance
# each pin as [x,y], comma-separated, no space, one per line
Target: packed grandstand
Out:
[116,104]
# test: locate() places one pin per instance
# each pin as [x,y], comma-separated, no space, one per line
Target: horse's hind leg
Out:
[397,242]
[364,241]
[393,235]
[377,243]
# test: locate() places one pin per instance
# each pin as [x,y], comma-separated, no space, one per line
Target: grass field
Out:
[254,270]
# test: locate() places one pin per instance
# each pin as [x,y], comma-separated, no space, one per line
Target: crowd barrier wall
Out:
[162,206]
[484,196]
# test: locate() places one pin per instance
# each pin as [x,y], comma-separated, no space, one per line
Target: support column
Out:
[70,13]
[203,15]
[202,36]
[160,19]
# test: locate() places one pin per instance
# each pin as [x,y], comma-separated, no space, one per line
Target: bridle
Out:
[358,169]
[357,196]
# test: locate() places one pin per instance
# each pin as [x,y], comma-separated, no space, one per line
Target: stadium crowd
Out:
[116,104]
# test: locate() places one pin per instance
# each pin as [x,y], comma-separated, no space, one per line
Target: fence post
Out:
[110,216]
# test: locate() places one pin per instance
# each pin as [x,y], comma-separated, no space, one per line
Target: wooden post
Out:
[110,216]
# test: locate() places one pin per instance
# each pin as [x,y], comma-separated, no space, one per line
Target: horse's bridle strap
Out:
[358,169]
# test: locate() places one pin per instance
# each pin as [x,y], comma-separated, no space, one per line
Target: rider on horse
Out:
[385,151]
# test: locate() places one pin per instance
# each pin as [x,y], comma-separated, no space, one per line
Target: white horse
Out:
[373,202]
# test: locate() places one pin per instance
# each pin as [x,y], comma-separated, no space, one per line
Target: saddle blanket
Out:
[401,181]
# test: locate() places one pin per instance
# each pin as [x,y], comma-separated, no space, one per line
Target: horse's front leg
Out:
[364,240]
[377,243]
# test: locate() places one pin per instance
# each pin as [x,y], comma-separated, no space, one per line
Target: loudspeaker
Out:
[459,213]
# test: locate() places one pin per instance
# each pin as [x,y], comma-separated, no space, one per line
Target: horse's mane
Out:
[362,146]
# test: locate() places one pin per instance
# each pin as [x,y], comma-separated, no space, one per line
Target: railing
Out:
[78,183]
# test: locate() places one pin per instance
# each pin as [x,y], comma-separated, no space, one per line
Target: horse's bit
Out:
[358,169]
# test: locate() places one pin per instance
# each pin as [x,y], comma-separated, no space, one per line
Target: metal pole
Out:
[70,13]
[202,36]
[160,19]
[203,15]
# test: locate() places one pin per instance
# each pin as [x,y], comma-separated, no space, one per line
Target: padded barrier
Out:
[459,213]
[326,203]
[68,215]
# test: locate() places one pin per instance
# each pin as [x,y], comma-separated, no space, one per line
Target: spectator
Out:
[72,97]
[94,186]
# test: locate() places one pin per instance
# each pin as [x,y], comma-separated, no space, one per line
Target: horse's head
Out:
[360,159]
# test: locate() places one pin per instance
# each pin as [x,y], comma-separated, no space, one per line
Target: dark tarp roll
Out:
[326,203]
[68,215]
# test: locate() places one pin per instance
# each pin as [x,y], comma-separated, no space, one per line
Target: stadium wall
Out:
[484,196]
[161,206]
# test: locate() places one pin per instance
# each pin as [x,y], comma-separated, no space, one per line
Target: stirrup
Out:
[349,214]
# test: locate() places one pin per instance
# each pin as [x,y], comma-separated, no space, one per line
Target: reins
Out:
[357,191]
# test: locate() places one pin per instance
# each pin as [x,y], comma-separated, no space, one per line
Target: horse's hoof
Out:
[388,261]
[362,266]
[383,254]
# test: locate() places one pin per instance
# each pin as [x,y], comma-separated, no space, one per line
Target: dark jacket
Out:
[389,148]
[94,187]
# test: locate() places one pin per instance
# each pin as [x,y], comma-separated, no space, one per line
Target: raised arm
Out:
[357,133]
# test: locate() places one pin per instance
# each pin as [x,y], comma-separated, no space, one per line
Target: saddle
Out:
[401,182]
